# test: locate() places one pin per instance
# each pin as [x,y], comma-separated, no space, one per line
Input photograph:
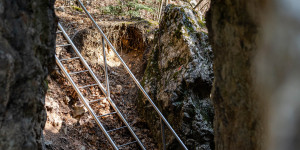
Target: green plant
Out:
[77,8]
[129,8]
[113,10]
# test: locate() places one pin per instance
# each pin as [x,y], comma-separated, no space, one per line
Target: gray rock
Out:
[82,148]
[48,143]
[27,41]
[179,78]
[62,9]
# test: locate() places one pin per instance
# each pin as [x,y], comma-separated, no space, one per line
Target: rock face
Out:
[126,37]
[234,35]
[27,41]
[178,78]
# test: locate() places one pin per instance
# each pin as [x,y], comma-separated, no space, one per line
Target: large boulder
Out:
[179,78]
[27,44]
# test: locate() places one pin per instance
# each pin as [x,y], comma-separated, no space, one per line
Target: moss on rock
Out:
[178,78]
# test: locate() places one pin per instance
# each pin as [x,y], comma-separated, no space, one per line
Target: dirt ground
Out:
[69,125]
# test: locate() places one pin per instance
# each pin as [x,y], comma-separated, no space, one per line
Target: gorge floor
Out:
[69,126]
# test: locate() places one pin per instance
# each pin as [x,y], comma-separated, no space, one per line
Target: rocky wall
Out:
[27,45]
[234,31]
[178,78]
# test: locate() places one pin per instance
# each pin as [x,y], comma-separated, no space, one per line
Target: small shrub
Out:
[129,8]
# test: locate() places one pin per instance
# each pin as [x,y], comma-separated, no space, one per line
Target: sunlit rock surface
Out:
[179,77]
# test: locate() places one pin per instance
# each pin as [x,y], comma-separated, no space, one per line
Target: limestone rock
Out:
[27,44]
[179,77]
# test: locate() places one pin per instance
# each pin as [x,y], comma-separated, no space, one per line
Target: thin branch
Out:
[206,5]
[198,4]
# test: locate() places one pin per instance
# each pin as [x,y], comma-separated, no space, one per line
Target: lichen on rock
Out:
[179,78]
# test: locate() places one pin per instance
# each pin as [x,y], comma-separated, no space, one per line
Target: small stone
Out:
[105,102]
[119,89]
[114,73]
[81,122]
[62,9]
[67,100]
[80,21]
[63,140]
[65,130]
[82,148]
[48,143]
